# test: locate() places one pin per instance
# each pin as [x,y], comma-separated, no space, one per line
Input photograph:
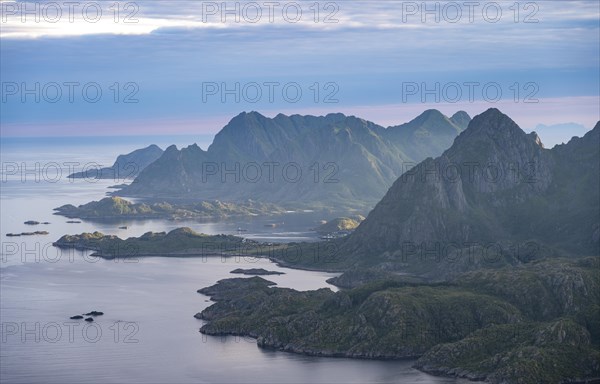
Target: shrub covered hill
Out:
[332,161]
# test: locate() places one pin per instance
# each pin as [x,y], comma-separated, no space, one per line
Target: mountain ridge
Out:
[341,161]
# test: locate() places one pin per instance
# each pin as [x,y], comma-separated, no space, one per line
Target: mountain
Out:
[496,192]
[309,161]
[429,134]
[125,167]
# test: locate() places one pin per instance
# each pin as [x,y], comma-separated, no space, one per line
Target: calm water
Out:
[148,333]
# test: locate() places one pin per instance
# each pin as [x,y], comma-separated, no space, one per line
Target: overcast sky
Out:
[175,61]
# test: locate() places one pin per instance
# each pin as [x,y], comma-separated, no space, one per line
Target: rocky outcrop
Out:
[340,224]
[94,313]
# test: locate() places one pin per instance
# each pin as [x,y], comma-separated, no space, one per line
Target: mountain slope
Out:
[496,186]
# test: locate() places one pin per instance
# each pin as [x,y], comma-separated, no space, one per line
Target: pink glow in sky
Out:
[584,110]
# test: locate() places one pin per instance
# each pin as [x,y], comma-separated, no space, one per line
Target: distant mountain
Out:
[559,133]
[461,119]
[325,161]
[125,167]
[429,134]
[496,190]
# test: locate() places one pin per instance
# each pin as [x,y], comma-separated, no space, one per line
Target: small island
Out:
[256,272]
[89,319]
[28,233]
[179,242]
[114,208]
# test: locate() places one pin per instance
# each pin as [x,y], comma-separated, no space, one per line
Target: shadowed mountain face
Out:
[496,185]
[327,161]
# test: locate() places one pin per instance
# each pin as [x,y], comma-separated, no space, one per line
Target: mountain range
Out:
[298,161]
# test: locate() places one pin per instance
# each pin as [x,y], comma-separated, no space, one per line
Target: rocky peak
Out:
[171,148]
[493,124]
[431,115]
[244,120]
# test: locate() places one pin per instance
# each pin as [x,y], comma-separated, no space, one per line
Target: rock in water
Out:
[94,313]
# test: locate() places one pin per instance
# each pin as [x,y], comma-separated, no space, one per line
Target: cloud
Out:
[549,111]
[175,47]
[35,19]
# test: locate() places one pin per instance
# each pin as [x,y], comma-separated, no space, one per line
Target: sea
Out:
[148,333]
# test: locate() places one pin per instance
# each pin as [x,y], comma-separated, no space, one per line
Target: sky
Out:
[90,68]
